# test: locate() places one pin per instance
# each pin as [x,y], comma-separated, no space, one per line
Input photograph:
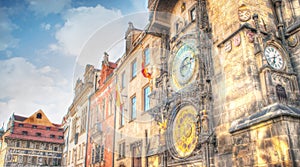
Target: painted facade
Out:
[32,141]
[76,120]
[101,119]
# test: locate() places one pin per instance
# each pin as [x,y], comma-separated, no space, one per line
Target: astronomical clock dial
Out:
[274,57]
[183,67]
[184,134]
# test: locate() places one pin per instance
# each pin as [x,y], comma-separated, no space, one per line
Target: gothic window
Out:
[281,94]
[39,116]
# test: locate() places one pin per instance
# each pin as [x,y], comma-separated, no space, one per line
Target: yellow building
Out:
[135,127]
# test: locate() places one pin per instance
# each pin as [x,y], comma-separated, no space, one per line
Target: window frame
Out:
[133,107]
[147,56]
[146,97]
[122,117]
[191,11]
[133,68]
[123,82]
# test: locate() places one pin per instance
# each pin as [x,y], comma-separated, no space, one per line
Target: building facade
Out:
[135,127]
[206,83]
[32,141]
[229,82]
[101,120]
[76,120]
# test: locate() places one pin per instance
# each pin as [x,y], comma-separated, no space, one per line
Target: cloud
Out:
[46,26]
[45,7]
[80,24]
[139,5]
[26,88]
[7,40]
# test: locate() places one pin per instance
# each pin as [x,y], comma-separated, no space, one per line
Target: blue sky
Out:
[41,42]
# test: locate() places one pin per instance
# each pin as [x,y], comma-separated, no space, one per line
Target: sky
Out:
[44,45]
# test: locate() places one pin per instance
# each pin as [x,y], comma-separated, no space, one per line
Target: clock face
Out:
[274,57]
[184,134]
[184,66]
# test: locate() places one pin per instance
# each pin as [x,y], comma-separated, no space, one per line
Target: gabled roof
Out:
[38,118]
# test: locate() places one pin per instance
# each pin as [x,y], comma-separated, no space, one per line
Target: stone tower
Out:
[229,81]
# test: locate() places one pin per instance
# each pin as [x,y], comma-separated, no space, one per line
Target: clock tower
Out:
[229,82]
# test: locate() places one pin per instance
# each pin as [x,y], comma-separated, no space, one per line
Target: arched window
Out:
[39,116]
[281,94]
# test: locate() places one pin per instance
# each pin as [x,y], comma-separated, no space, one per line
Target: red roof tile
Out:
[35,138]
[19,118]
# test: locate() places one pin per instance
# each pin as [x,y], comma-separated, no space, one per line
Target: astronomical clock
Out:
[184,112]
[183,134]
[183,67]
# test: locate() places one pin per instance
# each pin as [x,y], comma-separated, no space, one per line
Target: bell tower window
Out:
[281,94]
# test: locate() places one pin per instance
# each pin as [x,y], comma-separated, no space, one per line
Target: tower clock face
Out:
[184,134]
[184,66]
[274,57]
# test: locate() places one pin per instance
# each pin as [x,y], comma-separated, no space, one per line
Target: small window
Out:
[34,126]
[193,14]
[55,149]
[24,133]
[39,116]
[60,137]
[21,125]
[48,128]
[146,98]
[122,150]
[38,134]
[133,107]
[122,117]
[133,69]
[52,136]
[60,130]
[183,7]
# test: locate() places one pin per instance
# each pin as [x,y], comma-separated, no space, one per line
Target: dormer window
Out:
[39,116]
